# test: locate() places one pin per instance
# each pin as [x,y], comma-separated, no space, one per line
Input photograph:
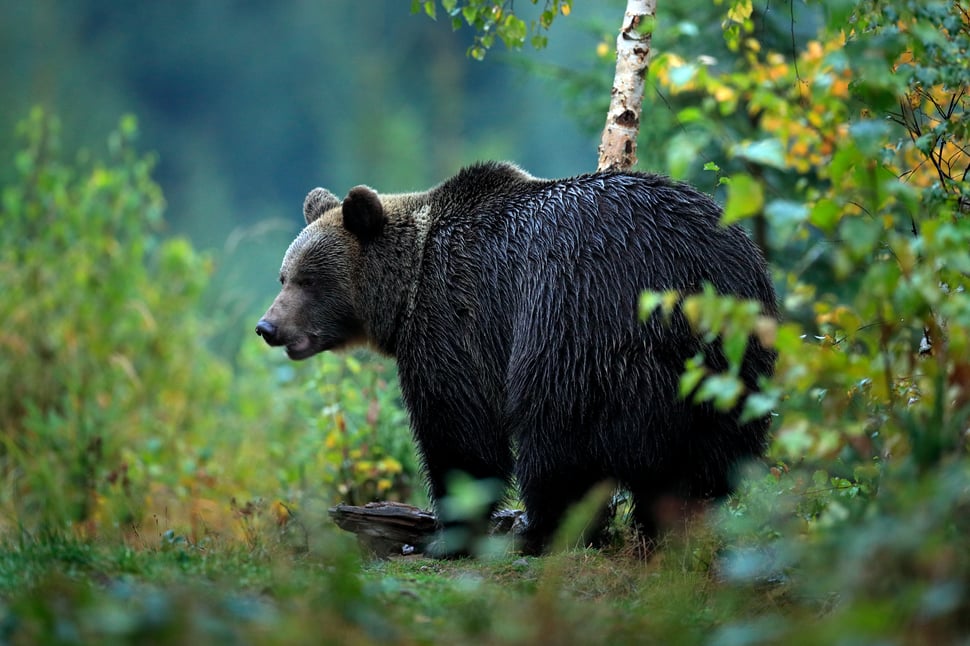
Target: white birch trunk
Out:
[618,146]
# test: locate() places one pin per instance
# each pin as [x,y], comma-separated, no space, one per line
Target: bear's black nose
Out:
[266,330]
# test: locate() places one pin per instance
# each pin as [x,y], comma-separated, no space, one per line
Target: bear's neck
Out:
[422,223]
[393,271]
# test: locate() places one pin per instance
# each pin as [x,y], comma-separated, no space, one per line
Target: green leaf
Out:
[690,115]
[693,374]
[757,405]
[843,161]
[926,143]
[682,75]
[870,135]
[513,31]
[723,390]
[649,302]
[734,347]
[839,11]
[745,198]
[646,26]
[683,151]
[825,215]
[767,152]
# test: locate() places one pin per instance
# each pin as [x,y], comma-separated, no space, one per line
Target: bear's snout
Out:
[268,331]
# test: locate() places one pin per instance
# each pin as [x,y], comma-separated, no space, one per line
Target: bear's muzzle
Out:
[268,331]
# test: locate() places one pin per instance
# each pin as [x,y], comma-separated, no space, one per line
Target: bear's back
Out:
[637,231]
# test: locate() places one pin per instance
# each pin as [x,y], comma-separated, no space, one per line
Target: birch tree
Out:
[495,19]
[618,145]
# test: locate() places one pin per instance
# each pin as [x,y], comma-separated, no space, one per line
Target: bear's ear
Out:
[317,202]
[363,213]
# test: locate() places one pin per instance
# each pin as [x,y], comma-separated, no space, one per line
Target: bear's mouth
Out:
[308,345]
[301,348]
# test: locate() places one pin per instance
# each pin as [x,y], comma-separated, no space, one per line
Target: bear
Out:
[510,304]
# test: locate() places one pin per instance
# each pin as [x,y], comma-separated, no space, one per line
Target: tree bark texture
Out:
[618,146]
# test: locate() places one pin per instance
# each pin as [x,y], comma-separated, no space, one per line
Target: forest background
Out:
[166,475]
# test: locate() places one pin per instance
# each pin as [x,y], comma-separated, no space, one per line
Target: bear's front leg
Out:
[467,478]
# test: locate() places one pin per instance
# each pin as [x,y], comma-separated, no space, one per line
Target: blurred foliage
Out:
[357,437]
[496,18]
[838,160]
[104,361]
[250,105]
[853,155]
[110,397]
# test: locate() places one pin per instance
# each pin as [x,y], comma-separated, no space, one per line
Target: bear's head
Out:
[317,308]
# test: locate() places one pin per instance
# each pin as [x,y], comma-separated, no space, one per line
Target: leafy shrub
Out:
[105,364]
[356,437]
[855,157]
[114,413]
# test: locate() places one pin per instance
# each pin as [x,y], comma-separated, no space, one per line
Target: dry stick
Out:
[618,147]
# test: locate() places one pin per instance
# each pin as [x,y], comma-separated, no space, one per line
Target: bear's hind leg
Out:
[657,511]
[548,496]
[490,475]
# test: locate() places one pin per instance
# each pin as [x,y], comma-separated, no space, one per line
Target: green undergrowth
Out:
[795,557]
[69,591]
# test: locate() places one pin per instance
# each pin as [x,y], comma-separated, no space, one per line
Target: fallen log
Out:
[392,528]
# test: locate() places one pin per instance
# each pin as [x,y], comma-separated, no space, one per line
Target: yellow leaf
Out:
[814,51]
[723,94]
[766,329]
[390,465]
[741,11]
[282,513]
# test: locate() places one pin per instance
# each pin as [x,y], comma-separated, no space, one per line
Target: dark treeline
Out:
[249,105]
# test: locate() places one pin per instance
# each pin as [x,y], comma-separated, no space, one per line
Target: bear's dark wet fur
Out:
[510,303]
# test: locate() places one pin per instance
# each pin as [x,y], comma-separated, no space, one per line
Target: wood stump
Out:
[386,529]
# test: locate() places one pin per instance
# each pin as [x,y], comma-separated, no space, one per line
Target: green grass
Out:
[759,570]
[67,590]
[276,590]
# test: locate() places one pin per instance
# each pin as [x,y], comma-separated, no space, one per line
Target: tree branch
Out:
[618,146]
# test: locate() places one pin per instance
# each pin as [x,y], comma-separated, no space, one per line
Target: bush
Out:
[353,437]
[105,365]
[114,412]
[855,159]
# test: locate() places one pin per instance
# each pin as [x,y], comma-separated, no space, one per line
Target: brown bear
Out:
[510,304]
